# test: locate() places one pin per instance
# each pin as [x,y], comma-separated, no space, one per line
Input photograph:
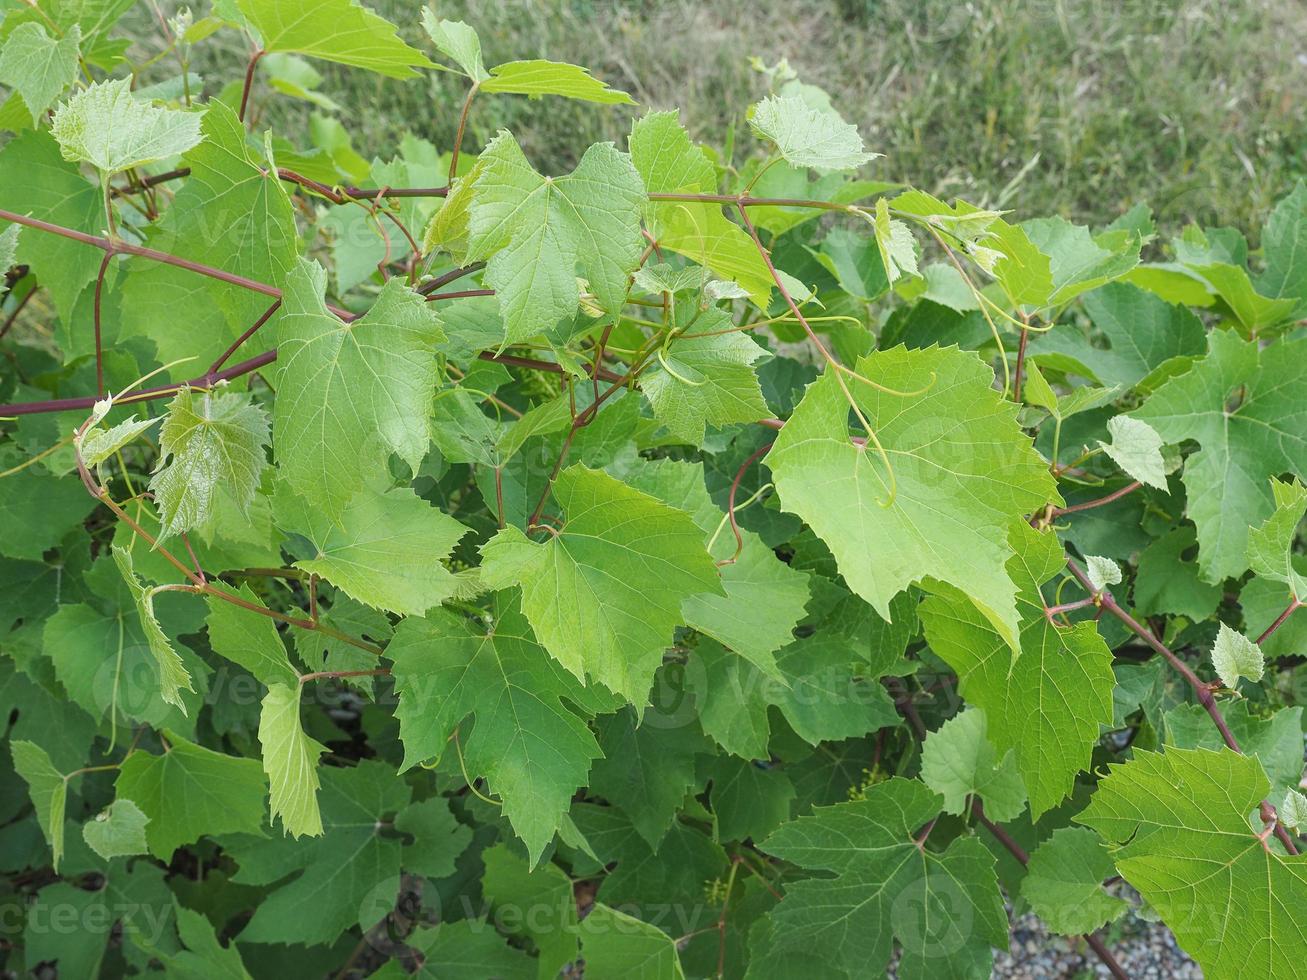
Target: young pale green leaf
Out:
[1137,449]
[350,394]
[537,78]
[108,127]
[535,231]
[605,593]
[1270,546]
[959,472]
[1293,810]
[98,444]
[1178,826]
[1064,882]
[1047,703]
[670,164]
[1228,480]
[387,550]
[190,791]
[117,831]
[343,31]
[173,676]
[959,763]
[250,639]
[208,445]
[456,41]
[49,791]
[531,747]
[615,944]
[705,378]
[886,888]
[1235,656]
[898,249]
[290,760]
[37,66]
[1102,572]
[808,137]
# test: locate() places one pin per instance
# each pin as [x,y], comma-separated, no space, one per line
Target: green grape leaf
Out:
[290,760]
[764,597]
[960,470]
[887,888]
[1080,261]
[536,78]
[1048,703]
[615,944]
[456,41]
[190,792]
[1178,828]
[350,394]
[343,31]
[1293,810]
[533,749]
[37,181]
[386,550]
[1235,656]
[510,884]
[1137,449]
[749,799]
[1064,882]
[703,378]
[1141,333]
[204,957]
[117,831]
[207,445]
[230,188]
[49,790]
[1242,447]
[470,949]
[108,127]
[535,230]
[670,164]
[605,593]
[1272,741]
[1270,546]
[250,639]
[348,876]
[646,769]
[37,66]
[808,137]
[959,763]
[173,676]
[1284,245]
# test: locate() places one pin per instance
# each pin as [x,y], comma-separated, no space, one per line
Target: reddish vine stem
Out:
[348,191]
[462,128]
[255,58]
[1201,690]
[1017,851]
[1294,605]
[126,248]
[431,285]
[1098,502]
[236,371]
[461,294]
[236,344]
[333,674]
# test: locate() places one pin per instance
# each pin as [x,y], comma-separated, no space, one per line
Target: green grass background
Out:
[1080,107]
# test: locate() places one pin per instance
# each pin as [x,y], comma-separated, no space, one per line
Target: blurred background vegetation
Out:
[1079,107]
